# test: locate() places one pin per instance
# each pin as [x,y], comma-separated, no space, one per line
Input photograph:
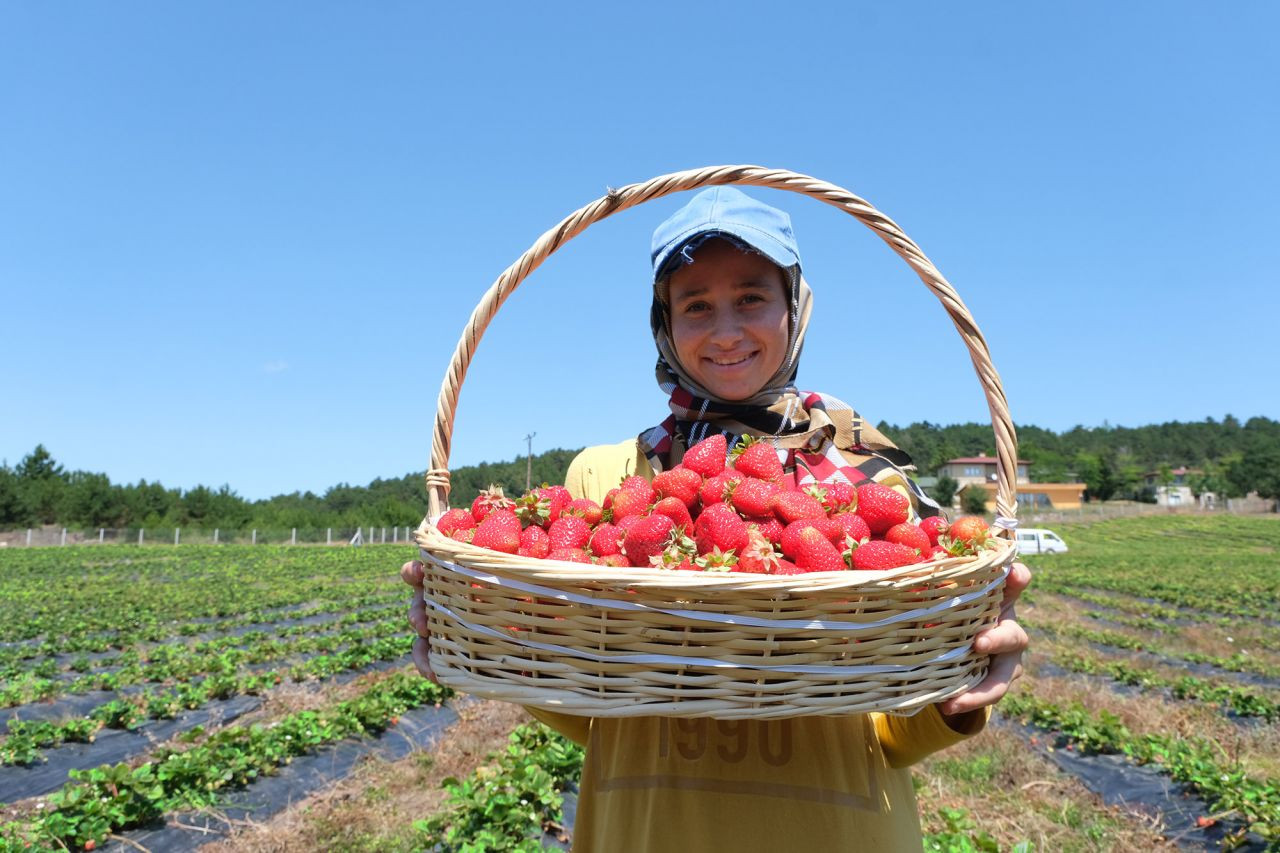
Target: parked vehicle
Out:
[1036,540]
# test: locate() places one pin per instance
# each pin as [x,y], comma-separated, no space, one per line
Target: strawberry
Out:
[677,553]
[790,539]
[617,561]
[755,458]
[626,523]
[639,485]
[758,557]
[786,567]
[569,531]
[815,552]
[646,538]
[679,482]
[752,496]
[878,555]
[720,527]
[791,506]
[937,552]
[631,502]
[934,526]
[534,542]
[500,531]
[558,496]
[489,499]
[851,525]
[455,519]
[674,509]
[533,510]
[605,540]
[463,534]
[569,555]
[586,509]
[716,489]
[971,529]
[840,497]
[882,507]
[707,456]
[769,527]
[909,535]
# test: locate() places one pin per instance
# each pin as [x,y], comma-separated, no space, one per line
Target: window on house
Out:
[973,470]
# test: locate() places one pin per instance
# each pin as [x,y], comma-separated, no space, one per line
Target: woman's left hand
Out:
[1004,642]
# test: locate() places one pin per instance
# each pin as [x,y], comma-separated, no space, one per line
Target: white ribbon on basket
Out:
[722,618]
[680,660]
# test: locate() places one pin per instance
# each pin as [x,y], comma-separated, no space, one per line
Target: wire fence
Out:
[1098,511]
[54,536]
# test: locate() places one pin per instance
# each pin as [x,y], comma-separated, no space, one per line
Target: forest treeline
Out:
[1231,459]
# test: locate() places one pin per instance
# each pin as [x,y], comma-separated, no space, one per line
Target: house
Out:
[1177,493]
[981,471]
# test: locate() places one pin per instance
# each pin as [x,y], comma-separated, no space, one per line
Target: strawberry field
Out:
[261,698]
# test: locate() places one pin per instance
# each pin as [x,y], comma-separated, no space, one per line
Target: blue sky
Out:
[239,241]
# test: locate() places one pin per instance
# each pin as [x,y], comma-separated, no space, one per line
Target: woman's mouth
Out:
[730,360]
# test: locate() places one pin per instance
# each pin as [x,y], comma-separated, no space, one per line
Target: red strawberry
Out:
[463,534]
[617,561]
[758,557]
[720,527]
[769,527]
[790,539]
[909,535]
[839,497]
[559,497]
[934,526]
[606,539]
[534,542]
[489,499]
[786,567]
[707,456]
[753,496]
[533,510]
[640,486]
[500,531]
[586,509]
[791,506]
[878,555]
[455,519]
[716,489]
[646,538]
[569,531]
[815,552]
[569,555]
[851,525]
[882,507]
[937,552]
[630,502]
[626,523]
[674,509]
[679,482]
[755,458]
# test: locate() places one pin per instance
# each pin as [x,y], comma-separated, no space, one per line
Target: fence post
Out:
[384,536]
[254,540]
[101,534]
[175,534]
[328,536]
[293,540]
[215,536]
[64,536]
[140,535]
[28,537]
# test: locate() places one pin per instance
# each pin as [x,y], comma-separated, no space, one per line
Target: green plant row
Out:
[26,740]
[507,804]
[181,664]
[1239,662]
[1241,701]
[962,834]
[1198,763]
[116,797]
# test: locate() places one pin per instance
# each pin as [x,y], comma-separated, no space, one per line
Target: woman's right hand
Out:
[412,574]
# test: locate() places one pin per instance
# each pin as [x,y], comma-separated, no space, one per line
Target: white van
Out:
[1035,540]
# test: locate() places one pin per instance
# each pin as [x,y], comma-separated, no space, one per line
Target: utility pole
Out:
[528,462]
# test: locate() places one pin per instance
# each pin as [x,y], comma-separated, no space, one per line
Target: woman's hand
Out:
[412,573]
[1004,642]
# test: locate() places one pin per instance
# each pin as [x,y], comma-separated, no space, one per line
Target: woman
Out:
[729,314]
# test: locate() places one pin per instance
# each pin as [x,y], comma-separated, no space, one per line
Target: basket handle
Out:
[629,196]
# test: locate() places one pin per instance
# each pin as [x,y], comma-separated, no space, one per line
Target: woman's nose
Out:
[727,329]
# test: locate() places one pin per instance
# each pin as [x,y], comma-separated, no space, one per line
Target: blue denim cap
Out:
[728,211]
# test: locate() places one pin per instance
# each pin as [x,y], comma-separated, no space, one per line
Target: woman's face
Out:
[729,319]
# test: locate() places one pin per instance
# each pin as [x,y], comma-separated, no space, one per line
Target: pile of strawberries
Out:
[712,513]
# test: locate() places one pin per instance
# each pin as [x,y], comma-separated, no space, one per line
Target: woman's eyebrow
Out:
[697,292]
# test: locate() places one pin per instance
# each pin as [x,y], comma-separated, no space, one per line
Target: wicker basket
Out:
[608,642]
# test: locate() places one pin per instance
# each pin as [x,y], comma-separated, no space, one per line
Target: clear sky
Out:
[239,240]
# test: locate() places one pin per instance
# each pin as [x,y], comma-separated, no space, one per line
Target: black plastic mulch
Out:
[306,775]
[1137,788]
[112,746]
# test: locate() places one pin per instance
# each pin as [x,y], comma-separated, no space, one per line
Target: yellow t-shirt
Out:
[812,784]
